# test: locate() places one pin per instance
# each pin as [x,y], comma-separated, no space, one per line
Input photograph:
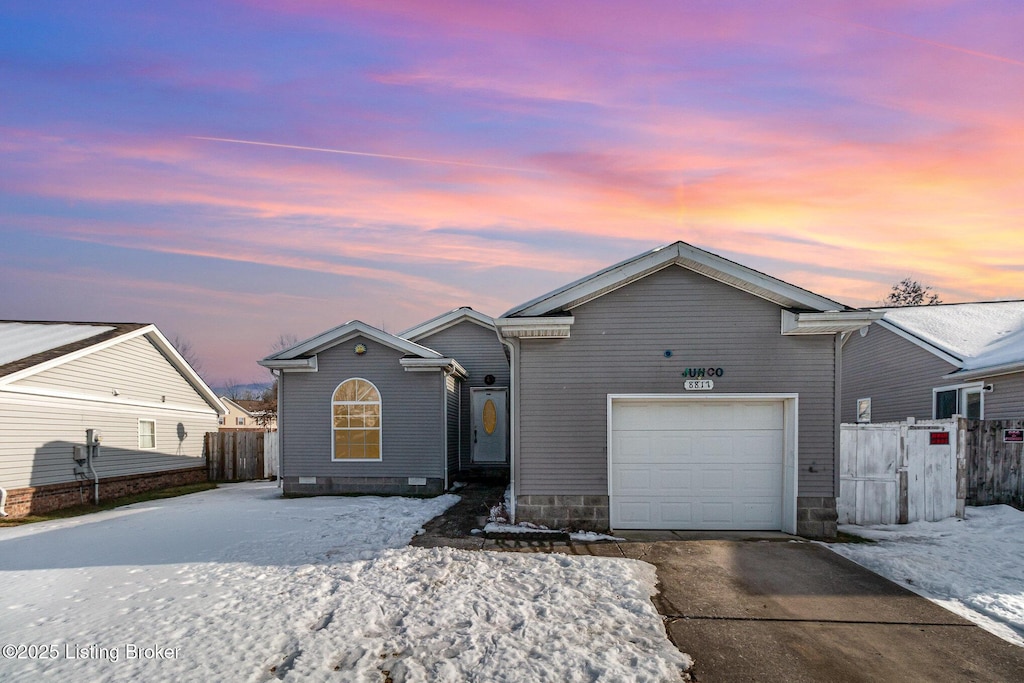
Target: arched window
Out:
[356,413]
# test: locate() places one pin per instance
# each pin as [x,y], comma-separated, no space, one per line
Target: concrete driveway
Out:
[772,607]
[794,611]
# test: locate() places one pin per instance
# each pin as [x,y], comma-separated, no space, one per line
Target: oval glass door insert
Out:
[490,417]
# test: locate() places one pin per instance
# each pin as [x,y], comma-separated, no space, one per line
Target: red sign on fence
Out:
[939,438]
[1013,436]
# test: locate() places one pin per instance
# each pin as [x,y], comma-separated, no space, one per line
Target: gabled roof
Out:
[446,320]
[980,338]
[586,289]
[341,334]
[30,347]
[237,404]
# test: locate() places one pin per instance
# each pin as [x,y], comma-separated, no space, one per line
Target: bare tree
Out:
[909,292]
[185,349]
[266,411]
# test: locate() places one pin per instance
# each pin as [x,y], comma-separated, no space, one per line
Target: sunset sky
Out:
[234,171]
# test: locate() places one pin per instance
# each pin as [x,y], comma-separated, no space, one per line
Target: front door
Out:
[490,425]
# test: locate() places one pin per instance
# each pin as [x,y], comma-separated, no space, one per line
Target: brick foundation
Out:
[577,513]
[816,517]
[36,500]
[382,486]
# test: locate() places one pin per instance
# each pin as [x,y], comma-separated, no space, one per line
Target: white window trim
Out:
[240,421]
[147,448]
[961,389]
[380,427]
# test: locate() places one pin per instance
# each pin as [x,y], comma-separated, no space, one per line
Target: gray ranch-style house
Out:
[674,390]
[364,411]
[144,406]
[933,362]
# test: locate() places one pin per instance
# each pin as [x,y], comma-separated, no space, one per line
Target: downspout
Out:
[280,433]
[444,421]
[92,448]
[3,501]
[513,390]
[837,416]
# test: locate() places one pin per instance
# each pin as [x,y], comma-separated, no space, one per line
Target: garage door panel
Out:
[688,464]
[636,513]
[633,480]
[714,481]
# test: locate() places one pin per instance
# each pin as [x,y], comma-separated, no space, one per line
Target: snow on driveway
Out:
[972,566]
[239,584]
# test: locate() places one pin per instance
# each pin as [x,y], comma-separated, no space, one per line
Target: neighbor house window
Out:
[962,400]
[239,421]
[355,409]
[863,410]
[220,420]
[147,434]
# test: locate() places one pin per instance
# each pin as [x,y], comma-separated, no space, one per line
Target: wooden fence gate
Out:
[235,455]
[899,472]
[995,455]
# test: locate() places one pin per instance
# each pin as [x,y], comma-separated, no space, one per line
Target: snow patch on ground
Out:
[240,584]
[972,566]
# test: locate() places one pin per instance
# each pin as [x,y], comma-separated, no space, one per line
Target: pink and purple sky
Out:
[416,156]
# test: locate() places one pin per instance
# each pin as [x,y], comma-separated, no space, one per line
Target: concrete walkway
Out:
[755,607]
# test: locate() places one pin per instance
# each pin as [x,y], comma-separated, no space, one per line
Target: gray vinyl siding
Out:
[896,374]
[412,415]
[37,435]
[453,425]
[478,350]
[134,367]
[617,346]
[1006,400]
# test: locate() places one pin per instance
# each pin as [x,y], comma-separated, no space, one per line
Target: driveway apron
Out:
[795,611]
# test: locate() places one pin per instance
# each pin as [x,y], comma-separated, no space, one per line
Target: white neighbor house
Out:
[59,379]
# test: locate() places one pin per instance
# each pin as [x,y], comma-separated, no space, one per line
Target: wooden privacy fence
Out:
[994,459]
[241,455]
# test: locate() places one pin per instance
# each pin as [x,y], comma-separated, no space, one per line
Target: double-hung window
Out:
[147,434]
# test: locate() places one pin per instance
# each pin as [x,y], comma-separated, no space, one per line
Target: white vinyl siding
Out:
[37,436]
[134,368]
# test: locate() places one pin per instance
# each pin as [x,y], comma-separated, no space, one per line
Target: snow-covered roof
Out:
[682,254]
[30,347]
[20,340]
[978,336]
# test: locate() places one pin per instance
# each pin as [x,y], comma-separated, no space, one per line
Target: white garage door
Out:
[695,464]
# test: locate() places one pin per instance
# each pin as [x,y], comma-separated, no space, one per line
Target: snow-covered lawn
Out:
[973,566]
[238,584]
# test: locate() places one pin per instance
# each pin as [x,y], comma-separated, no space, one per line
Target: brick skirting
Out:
[576,513]
[816,516]
[34,500]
